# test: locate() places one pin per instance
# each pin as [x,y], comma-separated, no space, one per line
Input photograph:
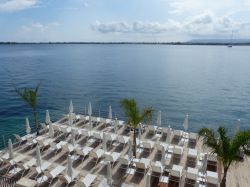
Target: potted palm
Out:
[228,149]
[135,116]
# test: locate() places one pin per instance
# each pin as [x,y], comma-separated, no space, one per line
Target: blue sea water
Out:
[210,83]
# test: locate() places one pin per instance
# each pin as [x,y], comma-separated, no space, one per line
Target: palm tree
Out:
[228,149]
[134,116]
[29,96]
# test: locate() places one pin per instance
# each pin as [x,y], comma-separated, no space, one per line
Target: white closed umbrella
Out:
[104,142]
[47,118]
[116,125]
[71,107]
[28,129]
[109,174]
[51,130]
[90,122]
[238,126]
[130,151]
[204,165]
[110,112]
[70,119]
[158,122]
[90,109]
[148,182]
[139,132]
[38,157]
[73,141]
[69,167]
[163,153]
[10,147]
[185,123]
[169,135]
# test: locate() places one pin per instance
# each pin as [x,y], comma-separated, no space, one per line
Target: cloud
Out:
[37,27]
[218,6]
[204,24]
[16,5]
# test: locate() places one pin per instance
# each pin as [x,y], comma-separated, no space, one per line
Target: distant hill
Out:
[219,41]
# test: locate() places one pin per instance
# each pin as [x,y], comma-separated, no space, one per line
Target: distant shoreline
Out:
[131,43]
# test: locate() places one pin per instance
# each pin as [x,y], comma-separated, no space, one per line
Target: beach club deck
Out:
[100,153]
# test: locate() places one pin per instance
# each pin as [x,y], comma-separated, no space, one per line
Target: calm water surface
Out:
[210,83]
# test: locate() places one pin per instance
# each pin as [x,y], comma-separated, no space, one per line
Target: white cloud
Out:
[205,24]
[16,5]
[37,27]
[218,6]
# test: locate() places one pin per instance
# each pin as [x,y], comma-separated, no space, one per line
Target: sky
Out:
[123,20]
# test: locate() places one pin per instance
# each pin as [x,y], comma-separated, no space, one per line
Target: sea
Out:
[209,83]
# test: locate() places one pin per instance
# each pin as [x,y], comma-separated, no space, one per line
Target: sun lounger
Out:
[157,167]
[77,132]
[54,173]
[111,137]
[126,185]
[176,171]
[97,154]
[113,157]
[83,151]
[178,133]
[152,129]
[178,150]
[98,135]
[38,170]
[192,173]
[125,160]
[192,154]
[87,180]
[25,182]
[44,143]
[20,139]
[57,146]
[212,177]
[67,179]
[86,133]
[149,145]
[143,164]
[22,167]
[123,139]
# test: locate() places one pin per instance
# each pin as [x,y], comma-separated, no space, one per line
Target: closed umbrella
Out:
[163,153]
[51,130]
[70,119]
[159,119]
[238,126]
[204,165]
[130,151]
[185,123]
[28,129]
[10,146]
[169,135]
[90,109]
[38,157]
[110,112]
[90,123]
[116,125]
[109,173]
[104,142]
[69,167]
[47,118]
[71,107]
[139,132]
[73,141]
[148,182]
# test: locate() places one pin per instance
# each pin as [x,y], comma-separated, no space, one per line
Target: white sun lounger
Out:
[67,179]
[176,171]
[44,143]
[86,133]
[113,157]
[76,131]
[68,148]
[54,173]
[22,167]
[178,133]
[192,153]
[125,160]
[123,139]
[148,145]
[143,164]
[83,151]
[97,154]
[111,137]
[192,173]
[193,136]
[98,135]
[152,129]
[159,146]
[157,167]
[57,146]
[178,150]
[212,177]
[20,139]
[25,182]
[87,180]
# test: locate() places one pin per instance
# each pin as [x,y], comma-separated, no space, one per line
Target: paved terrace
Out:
[176,154]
